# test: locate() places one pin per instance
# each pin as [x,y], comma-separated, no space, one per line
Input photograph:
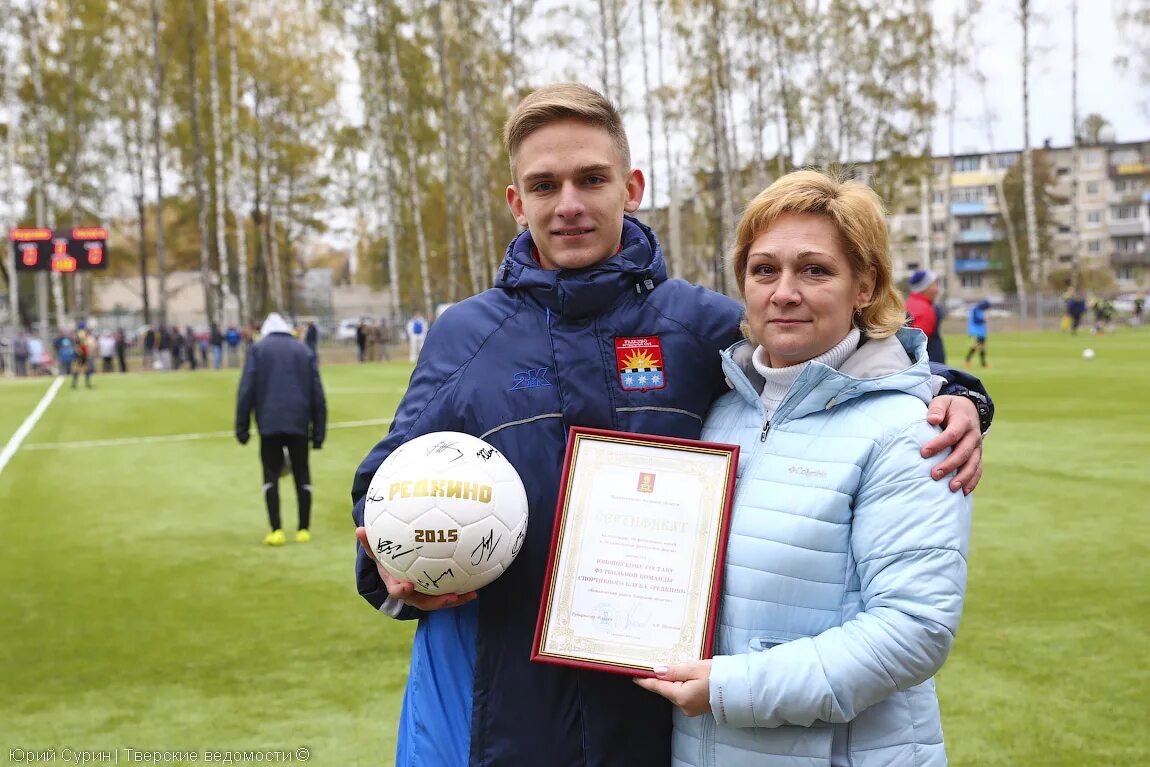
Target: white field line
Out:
[166,438]
[29,423]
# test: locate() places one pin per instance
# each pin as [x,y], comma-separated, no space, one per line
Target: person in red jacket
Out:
[920,302]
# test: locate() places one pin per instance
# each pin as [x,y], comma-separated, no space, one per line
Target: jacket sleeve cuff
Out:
[372,588]
[400,610]
[730,693]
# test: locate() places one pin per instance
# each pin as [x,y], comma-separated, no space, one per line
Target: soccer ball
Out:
[1088,354]
[447,512]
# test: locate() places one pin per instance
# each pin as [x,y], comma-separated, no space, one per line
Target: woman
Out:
[846,565]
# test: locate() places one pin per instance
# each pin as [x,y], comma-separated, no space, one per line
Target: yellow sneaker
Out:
[302,536]
[275,538]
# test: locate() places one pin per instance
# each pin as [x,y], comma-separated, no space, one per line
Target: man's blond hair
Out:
[857,214]
[564,101]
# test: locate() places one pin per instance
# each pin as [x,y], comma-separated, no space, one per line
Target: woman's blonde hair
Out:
[858,216]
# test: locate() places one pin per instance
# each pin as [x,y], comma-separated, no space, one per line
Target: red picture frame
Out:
[600,612]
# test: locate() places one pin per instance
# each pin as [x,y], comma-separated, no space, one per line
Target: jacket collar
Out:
[898,363]
[638,266]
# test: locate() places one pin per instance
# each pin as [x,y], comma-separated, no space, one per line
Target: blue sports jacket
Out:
[517,365]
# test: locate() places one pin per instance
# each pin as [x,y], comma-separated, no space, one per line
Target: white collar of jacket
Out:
[581,293]
[898,363]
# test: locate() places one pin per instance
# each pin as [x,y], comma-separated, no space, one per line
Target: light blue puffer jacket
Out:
[845,571]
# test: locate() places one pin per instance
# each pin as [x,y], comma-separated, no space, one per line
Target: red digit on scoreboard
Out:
[29,254]
[95,255]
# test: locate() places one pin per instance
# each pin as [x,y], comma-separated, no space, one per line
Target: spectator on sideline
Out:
[361,341]
[191,346]
[581,277]
[281,386]
[923,314]
[232,337]
[40,361]
[121,350]
[149,347]
[168,349]
[860,527]
[216,342]
[935,348]
[416,334]
[177,347]
[20,354]
[374,341]
[106,345]
[311,339]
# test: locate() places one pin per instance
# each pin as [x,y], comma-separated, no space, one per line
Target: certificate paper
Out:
[637,552]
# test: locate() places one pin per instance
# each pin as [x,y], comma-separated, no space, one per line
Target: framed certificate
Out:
[637,552]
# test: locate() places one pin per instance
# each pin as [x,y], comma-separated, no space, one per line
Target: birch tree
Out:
[129,91]
[45,215]
[1004,207]
[450,190]
[219,188]
[479,233]
[198,177]
[957,62]
[1028,165]
[11,140]
[380,141]
[1076,242]
[157,91]
[396,76]
[648,103]
[235,176]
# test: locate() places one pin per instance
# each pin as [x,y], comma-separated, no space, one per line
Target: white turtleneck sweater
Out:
[779,380]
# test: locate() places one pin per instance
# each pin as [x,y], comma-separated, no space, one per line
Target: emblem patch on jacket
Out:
[640,363]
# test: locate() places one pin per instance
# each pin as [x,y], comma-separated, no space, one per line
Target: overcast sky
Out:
[1102,88]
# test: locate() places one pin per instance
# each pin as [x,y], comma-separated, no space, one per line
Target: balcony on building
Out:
[968,208]
[1125,227]
[977,236]
[1125,169]
[1119,259]
[962,265]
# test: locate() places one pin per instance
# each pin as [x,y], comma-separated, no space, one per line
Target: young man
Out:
[516,366]
[281,385]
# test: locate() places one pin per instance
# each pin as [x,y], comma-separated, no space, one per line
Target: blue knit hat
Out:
[921,280]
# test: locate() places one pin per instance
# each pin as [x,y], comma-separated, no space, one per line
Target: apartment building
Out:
[1113,217]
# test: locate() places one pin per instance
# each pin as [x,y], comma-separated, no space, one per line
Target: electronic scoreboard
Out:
[60,250]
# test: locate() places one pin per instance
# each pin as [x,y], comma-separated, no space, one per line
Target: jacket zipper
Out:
[766,428]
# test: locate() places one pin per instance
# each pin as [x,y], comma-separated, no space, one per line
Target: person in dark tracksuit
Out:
[281,384]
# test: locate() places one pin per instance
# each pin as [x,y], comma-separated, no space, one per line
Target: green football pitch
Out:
[139,610]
